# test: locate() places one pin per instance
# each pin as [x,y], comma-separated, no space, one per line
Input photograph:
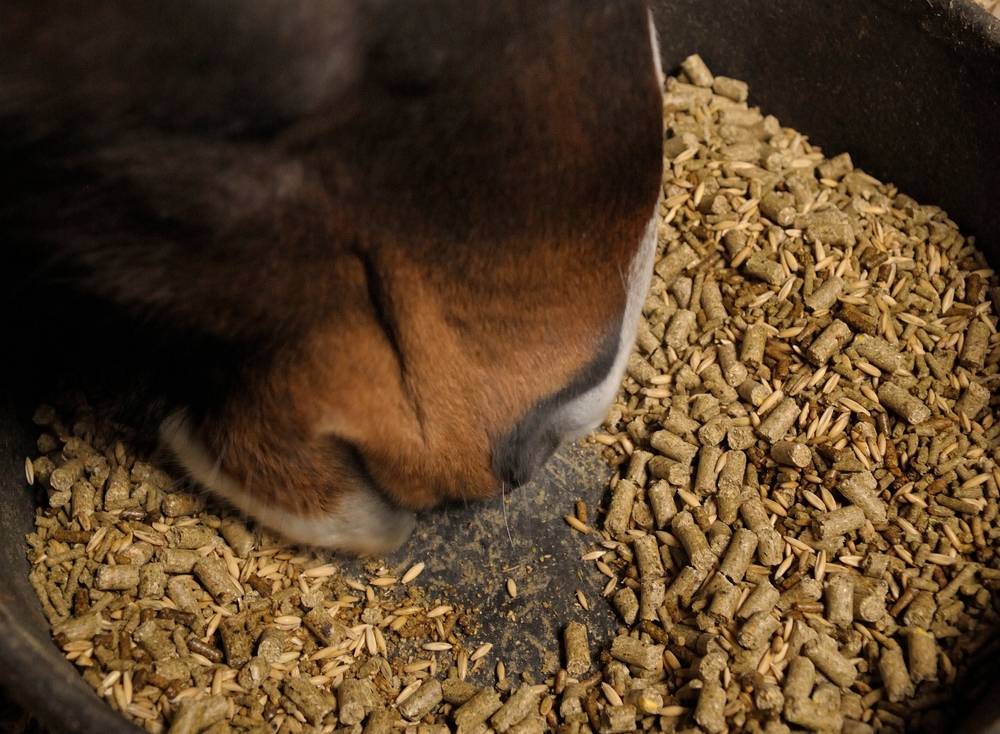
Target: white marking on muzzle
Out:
[654,42]
[586,412]
[363,523]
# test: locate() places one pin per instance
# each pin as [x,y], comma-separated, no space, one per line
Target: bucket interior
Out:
[911,88]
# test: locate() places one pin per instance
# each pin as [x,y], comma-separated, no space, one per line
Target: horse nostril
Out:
[564,415]
[523,451]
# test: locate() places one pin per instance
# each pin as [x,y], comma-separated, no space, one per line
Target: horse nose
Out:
[571,412]
[519,455]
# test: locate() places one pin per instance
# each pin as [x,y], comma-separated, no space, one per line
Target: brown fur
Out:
[397,226]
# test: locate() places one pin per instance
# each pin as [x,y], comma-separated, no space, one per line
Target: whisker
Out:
[503,505]
[624,280]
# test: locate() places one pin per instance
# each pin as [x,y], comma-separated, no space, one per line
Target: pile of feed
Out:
[800,533]
[185,618]
[803,528]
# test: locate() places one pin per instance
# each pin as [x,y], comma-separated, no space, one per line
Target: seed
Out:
[407,691]
[576,524]
[320,572]
[769,402]
[415,570]
[605,569]
[436,646]
[512,588]
[481,651]
[199,647]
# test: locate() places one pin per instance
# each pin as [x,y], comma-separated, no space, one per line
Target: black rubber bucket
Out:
[911,88]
